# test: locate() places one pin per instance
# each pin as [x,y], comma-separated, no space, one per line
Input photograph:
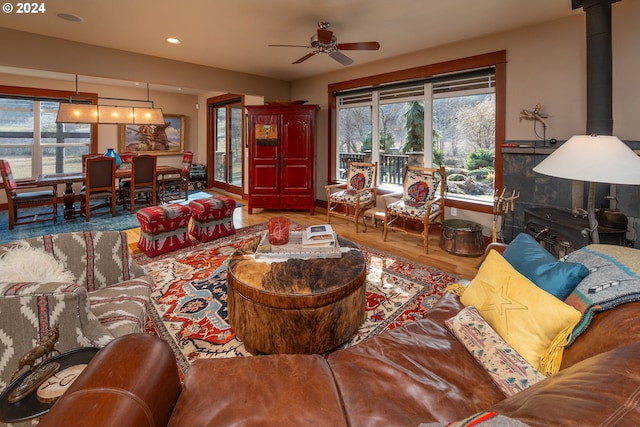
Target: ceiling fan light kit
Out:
[325,42]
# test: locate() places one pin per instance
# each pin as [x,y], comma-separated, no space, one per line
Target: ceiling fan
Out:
[324,41]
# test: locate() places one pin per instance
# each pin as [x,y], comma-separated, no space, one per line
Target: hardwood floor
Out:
[408,247]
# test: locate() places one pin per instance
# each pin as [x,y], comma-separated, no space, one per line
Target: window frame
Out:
[495,59]
[38,94]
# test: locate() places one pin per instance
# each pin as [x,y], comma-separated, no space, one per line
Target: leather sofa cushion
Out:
[411,375]
[284,390]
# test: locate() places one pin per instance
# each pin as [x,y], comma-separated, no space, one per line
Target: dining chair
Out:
[127,159]
[421,201]
[18,198]
[172,186]
[87,156]
[143,182]
[349,200]
[100,185]
[84,163]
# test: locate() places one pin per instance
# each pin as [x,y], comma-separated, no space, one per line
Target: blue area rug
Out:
[123,220]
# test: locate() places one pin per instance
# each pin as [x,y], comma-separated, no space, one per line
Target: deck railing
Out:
[389,167]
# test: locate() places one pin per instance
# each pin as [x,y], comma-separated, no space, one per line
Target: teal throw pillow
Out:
[531,260]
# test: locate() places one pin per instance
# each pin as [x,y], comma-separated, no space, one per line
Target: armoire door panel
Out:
[281,156]
[266,178]
[295,178]
[296,144]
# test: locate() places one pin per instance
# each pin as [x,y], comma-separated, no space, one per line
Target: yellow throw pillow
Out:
[535,323]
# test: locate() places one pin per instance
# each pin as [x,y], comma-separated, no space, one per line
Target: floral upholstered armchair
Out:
[422,200]
[85,282]
[349,200]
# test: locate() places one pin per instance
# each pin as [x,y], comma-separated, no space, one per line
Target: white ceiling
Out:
[234,34]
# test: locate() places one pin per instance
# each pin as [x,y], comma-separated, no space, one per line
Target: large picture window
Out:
[32,141]
[452,118]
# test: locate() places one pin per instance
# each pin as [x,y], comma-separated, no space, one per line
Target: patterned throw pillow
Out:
[360,177]
[508,370]
[532,321]
[357,181]
[418,189]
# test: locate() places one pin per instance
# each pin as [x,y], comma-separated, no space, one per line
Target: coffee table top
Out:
[311,276]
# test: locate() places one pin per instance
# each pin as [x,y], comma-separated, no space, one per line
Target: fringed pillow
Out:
[532,321]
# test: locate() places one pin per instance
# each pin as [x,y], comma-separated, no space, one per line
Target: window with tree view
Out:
[32,141]
[446,121]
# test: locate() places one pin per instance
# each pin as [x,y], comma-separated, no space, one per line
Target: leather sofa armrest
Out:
[132,382]
[601,390]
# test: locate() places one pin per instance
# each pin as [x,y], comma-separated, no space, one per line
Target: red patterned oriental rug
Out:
[189,301]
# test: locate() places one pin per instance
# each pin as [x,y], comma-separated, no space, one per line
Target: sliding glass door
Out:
[225,144]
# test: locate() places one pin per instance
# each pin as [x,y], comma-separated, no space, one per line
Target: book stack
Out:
[319,236]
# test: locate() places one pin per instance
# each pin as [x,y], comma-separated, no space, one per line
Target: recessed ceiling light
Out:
[70,17]
[173,40]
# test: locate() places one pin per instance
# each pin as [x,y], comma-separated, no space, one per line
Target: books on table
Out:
[318,236]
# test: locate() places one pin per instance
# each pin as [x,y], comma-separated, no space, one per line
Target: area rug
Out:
[123,220]
[189,300]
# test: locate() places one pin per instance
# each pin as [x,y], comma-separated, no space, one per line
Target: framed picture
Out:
[154,139]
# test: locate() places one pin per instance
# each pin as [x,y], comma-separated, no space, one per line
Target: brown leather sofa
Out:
[418,373]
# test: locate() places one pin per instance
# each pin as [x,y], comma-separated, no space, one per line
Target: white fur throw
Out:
[27,264]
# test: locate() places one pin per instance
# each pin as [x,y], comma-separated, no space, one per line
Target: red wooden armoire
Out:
[282,156]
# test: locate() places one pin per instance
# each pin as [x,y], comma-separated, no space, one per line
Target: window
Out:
[464,136]
[32,141]
[449,114]
[457,130]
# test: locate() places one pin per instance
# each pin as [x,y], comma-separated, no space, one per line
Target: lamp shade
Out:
[593,158]
[108,114]
[148,116]
[77,113]
[112,115]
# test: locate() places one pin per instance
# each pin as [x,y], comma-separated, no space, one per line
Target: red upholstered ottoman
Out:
[212,218]
[163,228]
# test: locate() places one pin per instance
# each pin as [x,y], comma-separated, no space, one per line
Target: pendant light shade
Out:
[77,113]
[81,111]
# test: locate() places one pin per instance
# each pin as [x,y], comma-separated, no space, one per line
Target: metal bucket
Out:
[462,237]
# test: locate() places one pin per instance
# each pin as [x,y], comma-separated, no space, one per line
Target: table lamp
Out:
[593,158]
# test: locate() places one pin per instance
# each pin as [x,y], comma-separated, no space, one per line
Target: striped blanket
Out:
[614,279]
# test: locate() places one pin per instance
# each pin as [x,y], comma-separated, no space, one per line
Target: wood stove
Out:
[560,232]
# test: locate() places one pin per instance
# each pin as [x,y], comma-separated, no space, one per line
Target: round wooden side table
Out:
[31,407]
[298,305]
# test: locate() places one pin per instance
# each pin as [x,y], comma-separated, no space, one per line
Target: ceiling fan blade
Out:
[304,58]
[341,57]
[324,35]
[359,46]
[288,45]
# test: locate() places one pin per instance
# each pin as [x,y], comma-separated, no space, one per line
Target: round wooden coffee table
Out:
[298,305]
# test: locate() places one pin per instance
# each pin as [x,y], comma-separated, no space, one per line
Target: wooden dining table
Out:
[69,178]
